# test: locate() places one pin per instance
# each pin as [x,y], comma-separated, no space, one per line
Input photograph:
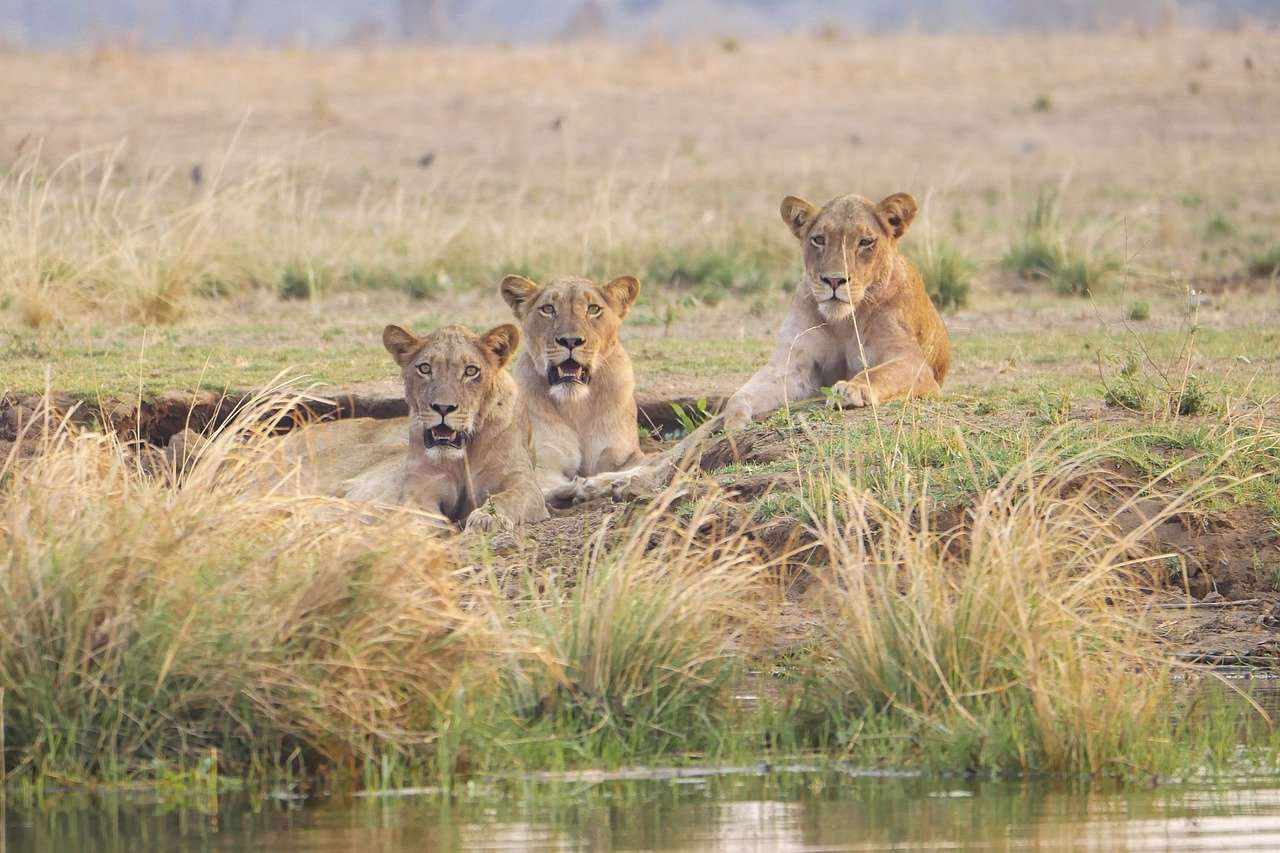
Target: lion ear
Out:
[622,292]
[798,214]
[897,211]
[502,341]
[517,290]
[400,343]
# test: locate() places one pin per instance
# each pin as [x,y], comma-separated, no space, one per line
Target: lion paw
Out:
[856,394]
[576,491]
[620,486]
[488,519]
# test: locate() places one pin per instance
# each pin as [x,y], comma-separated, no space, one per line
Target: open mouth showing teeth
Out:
[442,435]
[566,372]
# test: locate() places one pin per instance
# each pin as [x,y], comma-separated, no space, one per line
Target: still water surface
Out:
[754,810]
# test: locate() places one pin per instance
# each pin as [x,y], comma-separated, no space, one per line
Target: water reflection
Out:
[782,811]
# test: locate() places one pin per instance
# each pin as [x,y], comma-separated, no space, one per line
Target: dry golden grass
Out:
[153,615]
[571,158]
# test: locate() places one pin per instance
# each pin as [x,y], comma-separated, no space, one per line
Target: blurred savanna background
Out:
[197,198]
[279,182]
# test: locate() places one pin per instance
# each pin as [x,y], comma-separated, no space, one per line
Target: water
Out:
[783,810]
[791,808]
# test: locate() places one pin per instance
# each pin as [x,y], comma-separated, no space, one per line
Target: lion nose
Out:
[569,343]
[835,282]
[442,409]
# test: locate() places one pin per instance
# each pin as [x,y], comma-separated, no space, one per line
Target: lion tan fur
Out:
[463,453]
[860,322]
[575,376]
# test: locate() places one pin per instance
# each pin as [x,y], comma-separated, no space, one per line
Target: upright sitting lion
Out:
[860,323]
[575,377]
[463,451]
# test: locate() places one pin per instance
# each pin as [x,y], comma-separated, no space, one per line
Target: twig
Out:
[1206,605]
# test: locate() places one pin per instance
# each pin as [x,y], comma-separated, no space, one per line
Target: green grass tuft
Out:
[947,273]
[1219,227]
[1042,251]
[1265,264]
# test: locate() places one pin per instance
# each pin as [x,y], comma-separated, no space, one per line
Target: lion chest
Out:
[442,487]
[557,447]
[858,356]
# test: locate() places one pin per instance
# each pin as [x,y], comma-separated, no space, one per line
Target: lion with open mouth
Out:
[466,456]
[575,377]
[860,324]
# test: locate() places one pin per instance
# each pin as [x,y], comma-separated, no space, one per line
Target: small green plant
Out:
[1081,276]
[1219,227]
[1054,407]
[1042,251]
[1128,393]
[1191,399]
[1265,264]
[692,416]
[298,283]
[1139,312]
[711,275]
[1042,104]
[947,274]
[417,284]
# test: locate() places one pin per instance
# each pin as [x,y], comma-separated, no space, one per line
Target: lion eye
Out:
[593,310]
[471,372]
[424,369]
[818,240]
[866,242]
[548,310]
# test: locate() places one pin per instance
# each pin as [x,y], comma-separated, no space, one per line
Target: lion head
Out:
[571,326]
[850,246]
[452,381]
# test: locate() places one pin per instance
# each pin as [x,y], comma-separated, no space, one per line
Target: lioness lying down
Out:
[465,456]
[860,322]
[573,399]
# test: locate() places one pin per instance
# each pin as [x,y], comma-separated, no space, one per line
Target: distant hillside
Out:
[70,23]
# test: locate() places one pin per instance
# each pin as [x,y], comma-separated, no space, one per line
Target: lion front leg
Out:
[503,511]
[907,377]
[637,482]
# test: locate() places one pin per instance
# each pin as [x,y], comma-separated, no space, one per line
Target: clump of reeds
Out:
[632,653]
[1009,644]
[153,611]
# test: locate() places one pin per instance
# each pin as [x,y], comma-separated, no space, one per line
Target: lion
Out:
[860,323]
[466,454]
[575,376]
